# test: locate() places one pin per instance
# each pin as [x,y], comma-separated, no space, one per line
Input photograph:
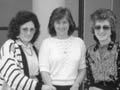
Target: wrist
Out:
[50,84]
[76,84]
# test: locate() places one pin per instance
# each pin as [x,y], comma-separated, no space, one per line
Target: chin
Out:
[27,40]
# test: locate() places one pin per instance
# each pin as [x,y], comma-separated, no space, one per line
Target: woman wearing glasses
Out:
[102,57]
[18,56]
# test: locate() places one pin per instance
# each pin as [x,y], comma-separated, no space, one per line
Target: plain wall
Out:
[8,8]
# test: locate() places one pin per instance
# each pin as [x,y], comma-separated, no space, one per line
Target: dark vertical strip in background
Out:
[4,28]
[81,19]
[81,27]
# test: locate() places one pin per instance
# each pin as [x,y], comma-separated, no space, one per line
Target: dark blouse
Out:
[103,64]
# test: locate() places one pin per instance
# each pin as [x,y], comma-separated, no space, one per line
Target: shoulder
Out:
[48,40]
[91,48]
[9,45]
[8,42]
[7,48]
[78,40]
[117,44]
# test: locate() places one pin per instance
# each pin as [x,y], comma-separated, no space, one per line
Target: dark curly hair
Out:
[104,14]
[58,14]
[21,18]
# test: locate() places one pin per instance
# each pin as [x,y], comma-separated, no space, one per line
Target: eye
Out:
[25,29]
[57,22]
[32,29]
[97,27]
[105,27]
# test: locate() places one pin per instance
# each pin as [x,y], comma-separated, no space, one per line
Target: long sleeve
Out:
[11,71]
[89,78]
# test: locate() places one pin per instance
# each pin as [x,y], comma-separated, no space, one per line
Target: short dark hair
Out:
[21,18]
[58,14]
[104,14]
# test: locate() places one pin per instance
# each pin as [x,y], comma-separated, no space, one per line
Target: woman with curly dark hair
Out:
[19,62]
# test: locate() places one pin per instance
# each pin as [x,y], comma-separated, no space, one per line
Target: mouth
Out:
[102,35]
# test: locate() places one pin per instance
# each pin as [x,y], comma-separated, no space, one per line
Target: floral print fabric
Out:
[102,63]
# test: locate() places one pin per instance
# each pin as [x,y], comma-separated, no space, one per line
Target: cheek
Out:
[96,32]
[109,32]
[33,33]
[22,34]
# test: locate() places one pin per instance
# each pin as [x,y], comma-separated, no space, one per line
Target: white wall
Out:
[89,7]
[8,9]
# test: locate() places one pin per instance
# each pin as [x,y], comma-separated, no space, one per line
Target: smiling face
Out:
[61,27]
[102,30]
[27,31]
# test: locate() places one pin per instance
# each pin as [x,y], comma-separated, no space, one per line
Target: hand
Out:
[75,87]
[46,87]
[94,88]
[52,87]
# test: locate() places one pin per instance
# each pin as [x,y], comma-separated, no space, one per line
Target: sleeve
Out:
[44,56]
[12,73]
[89,80]
[82,58]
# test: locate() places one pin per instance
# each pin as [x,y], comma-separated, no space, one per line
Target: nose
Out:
[101,30]
[28,32]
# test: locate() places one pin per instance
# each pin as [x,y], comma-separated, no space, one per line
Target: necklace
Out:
[26,48]
[28,51]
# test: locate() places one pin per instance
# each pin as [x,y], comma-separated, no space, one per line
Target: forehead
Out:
[27,24]
[102,22]
[62,19]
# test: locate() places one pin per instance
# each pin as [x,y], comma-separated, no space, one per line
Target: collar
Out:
[19,42]
[108,46]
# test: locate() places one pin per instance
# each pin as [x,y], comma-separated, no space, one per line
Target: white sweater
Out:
[62,58]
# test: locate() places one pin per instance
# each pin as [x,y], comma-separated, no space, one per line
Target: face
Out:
[61,26]
[102,30]
[27,31]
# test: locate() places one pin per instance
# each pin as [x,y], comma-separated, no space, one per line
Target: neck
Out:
[105,42]
[62,37]
[24,42]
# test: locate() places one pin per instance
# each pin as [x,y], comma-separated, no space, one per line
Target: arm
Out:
[46,78]
[80,77]
[44,64]
[11,72]
[15,78]
[81,68]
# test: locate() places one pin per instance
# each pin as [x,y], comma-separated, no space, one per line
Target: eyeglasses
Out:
[105,27]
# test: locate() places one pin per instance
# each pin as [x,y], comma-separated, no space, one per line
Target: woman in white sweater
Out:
[62,56]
